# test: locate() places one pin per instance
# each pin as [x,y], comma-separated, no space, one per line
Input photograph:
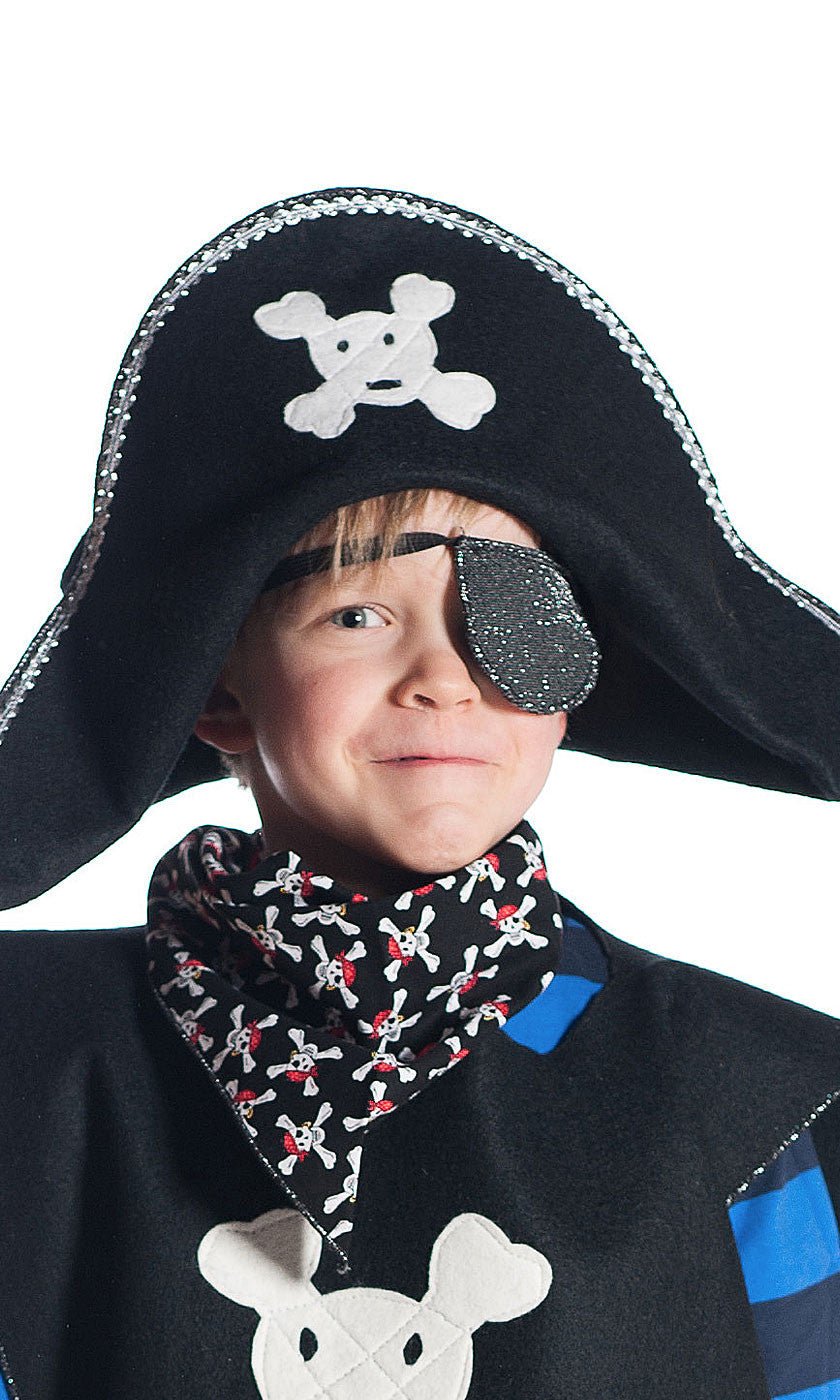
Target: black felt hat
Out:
[349,342]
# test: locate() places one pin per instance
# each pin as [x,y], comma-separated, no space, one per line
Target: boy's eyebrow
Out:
[313,590]
[317,588]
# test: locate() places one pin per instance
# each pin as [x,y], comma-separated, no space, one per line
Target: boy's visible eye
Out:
[353,612]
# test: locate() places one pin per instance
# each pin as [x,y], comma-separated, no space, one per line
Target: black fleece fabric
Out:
[613,1156]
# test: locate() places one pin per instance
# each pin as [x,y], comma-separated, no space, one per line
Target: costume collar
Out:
[318,1010]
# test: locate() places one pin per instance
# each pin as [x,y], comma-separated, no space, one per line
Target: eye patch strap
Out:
[316,561]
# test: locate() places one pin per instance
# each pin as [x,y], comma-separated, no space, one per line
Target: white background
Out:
[680,159]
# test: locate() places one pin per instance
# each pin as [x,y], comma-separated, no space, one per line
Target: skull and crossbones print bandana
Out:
[318,1010]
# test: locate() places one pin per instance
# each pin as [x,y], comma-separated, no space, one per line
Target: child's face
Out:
[327,694]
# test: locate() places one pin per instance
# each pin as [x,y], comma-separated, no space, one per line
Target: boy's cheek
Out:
[336,699]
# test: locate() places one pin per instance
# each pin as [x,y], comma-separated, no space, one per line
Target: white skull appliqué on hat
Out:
[359,1343]
[375,357]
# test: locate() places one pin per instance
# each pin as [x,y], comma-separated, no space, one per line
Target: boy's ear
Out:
[223,723]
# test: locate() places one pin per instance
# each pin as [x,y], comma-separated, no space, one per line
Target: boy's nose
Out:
[438,675]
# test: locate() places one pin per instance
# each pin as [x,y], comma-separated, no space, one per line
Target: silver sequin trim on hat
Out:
[271,220]
[759,1171]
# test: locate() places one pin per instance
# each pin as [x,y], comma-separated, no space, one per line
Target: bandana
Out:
[317,1010]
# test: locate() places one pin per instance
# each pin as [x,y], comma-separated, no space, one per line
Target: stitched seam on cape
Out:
[801,1126]
[298,1204]
[270,220]
[791,1138]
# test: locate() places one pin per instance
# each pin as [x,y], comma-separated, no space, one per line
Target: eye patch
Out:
[523,626]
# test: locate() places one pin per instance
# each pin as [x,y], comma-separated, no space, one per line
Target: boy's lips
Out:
[431,758]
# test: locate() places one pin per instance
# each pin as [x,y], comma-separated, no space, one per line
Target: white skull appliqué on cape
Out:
[369,1343]
[375,357]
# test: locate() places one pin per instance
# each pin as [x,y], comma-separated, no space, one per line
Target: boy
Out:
[368,1108]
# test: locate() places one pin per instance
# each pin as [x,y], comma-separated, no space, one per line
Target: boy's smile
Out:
[378,749]
[417,760]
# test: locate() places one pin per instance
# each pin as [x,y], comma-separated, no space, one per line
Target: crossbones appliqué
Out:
[375,357]
[357,1343]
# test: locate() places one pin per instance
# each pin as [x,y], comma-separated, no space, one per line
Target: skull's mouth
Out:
[384,383]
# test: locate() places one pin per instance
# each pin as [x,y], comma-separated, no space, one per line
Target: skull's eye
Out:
[343,345]
[388,338]
[307,1343]
[413,1349]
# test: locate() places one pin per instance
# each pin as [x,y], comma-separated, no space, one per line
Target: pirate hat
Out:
[235,425]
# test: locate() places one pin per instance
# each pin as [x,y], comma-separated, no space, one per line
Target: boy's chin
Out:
[419,862]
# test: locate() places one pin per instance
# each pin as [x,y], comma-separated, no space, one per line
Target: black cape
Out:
[614,1156]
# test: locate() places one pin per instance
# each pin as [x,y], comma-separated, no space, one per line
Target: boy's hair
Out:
[350,525]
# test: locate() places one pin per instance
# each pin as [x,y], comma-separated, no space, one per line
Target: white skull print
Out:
[302,1138]
[407,943]
[534,865]
[302,1065]
[245,1101]
[513,925]
[462,982]
[498,1011]
[384,1061]
[388,1025]
[190,1023]
[336,974]
[378,1103]
[289,880]
[187,977]
[268,938]
[478,871]
[243,1039]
